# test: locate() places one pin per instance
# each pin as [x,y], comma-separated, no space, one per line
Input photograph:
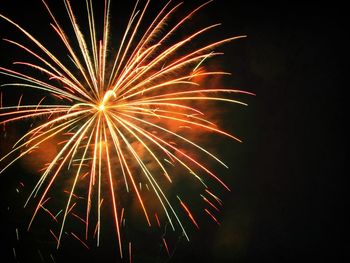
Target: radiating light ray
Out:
[154,139]
[127,118]
[114,130]
[77,143]
[174,134]
[147,148]
[40,85]
[71,141]
[157,189]
[46,51]
[111,183]
[193,123]
[58,130]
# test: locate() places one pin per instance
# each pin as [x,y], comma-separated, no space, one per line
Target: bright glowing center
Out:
[102,107]
[106,97]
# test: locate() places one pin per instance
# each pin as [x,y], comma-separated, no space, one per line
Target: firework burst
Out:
[125,122]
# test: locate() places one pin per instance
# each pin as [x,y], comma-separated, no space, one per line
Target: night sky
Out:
[288,197]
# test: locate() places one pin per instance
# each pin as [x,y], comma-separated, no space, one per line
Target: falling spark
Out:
[166,246]
[40,255]
[130,254]
[188,213]
[79,217]
[210,203]
[19,102]
[116,115]
[53,234]
[81,241]
[121,216]
[217,199]
[48,211]
[157,219]
[212,216]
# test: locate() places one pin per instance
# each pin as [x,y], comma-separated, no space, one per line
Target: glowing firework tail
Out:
[123,117]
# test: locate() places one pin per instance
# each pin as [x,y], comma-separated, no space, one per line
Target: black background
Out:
[288,198]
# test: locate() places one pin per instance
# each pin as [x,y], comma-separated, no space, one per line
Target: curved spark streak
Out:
[149,93]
